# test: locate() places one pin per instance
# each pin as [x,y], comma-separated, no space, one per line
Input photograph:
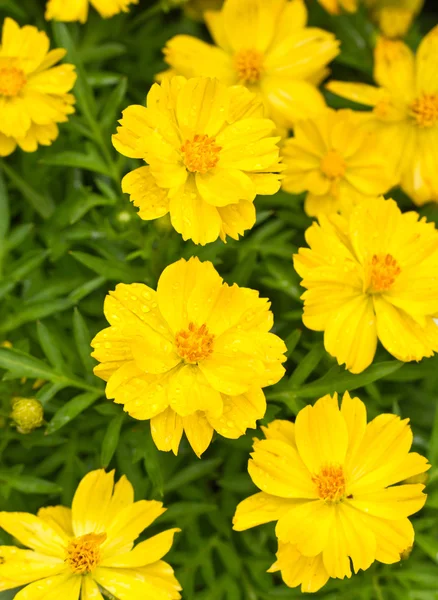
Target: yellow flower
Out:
[77,10]
[27,414]
[329,482]
[335,160]
[336,7]
[33,93]
[191,356]
[265,46]
[369,276]
[405,111]
[75,551]
[394,17]
[210,151]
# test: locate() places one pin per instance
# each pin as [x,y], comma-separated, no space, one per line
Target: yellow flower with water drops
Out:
[210,152]
[337,161]
[33,92]
[88,550]
[405,111]
[77,10]
[265,46]
[191,356]
[332,483]
[394,17]
[368,277]
[337,7]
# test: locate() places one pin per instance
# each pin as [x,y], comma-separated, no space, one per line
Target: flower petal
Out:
[151,200]
[253,20]
[131,584]
[194,218]
[90,589]
[221,187]
[199,432]
[307,525]
[167,430]
[91,502]
[392,503]
[201,107]
[239,413]
[58,517]
[34,533]
[189,392]
[259,509]
[20,567]
[145,553]
[296,569]
[66,586]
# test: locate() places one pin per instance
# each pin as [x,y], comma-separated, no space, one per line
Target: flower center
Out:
[333,165]
[194,344]
[83,553]
[330,483]
[425,110]
[200,154]
[384,270]
[12,81]
[249,65]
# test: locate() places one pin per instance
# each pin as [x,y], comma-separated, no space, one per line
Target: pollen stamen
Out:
[330,483]
[425,110]
[200,154]
[194,344]
[333,165]
[83,553]
[384,270]
[249,65]
[12,80]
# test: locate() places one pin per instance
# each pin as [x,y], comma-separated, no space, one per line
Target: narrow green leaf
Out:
[70,411]
[19,234]
[111,269]
[49,391]
[433,444]
[25,365]
[292,341]
[78,160]
[4,210]
[82,339]
[33,312]
[28,263]
[28,484]
[42,204]
[192,473]
[152,463]
[111,108]
[50,347]
[181,510]
[85,289]
[111,439]
[306,366]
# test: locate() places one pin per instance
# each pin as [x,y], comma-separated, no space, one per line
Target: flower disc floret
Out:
[83,553]
[337,488]
[12,81]
[192,356]
[368,278]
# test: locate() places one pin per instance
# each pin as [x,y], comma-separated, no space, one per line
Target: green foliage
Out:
[68,235]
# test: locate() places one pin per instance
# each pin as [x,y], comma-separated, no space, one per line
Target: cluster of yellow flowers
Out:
[194,355]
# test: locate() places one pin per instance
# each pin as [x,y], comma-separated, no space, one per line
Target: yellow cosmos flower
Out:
[33,92]
[265,46]
[394,17]
[405,111]
[210,152]
[191,356]
[88,549]
[369,276]
[77,10]
[335,160]
[329,482]
[336,7]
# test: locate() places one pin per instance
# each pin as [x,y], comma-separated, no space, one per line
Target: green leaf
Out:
[4,210]
[111,108]
[111,269]
[71,410]
[152,463]
[111,439]
[24,365]
[28,484]
[82,339]
[191,473]
[33,312]
[50,347]
[42,204]
[306,366]
[85,289]
[90,161]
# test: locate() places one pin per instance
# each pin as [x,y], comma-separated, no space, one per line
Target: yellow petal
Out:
[392,503]
[145,553]
[355,415]
[26,43]
[238,218]
[221,187]
[296,569]
[281,430]
[259,509]
[66,587]
[321,434]
[276,468]
[63,11]
[292,100]
[308,525]
[20,567]
[162,576]
[91,502]
[187,291]
[239,413]
[58,517]
[151,200]
[199,432]
[426,62]
[351,336]
[131,584]
[202,106]
[361,93]
[189,392]
[90,589]
[393,538]
[394,67]
[34,533]
[7,145]
[167,430]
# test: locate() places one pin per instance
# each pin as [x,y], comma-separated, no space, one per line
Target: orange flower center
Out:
[83,553]
[249,65]
[12,80]
[333,165]
[200,154]
[194,344]
[330,483]
[384,270]
[425,110]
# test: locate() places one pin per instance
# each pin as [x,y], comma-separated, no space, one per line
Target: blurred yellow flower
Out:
[369,276]
[329,482]
[336,7]
[210,152]
[77,10]
[195,9]
[405,111]
[27,414]
[191,356]
[74,551]
[265,46]
[337,161]
[33,92]
[394,17]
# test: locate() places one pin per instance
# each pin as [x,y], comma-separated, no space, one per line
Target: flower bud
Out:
[27,414]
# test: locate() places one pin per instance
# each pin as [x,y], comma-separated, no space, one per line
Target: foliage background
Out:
[68,235]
